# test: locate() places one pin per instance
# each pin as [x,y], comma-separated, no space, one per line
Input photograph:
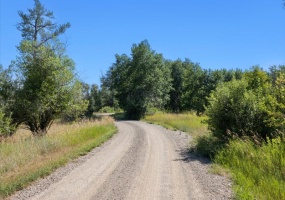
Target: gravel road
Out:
[142,161]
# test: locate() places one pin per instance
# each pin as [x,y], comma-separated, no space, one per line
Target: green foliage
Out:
[244,108]
[47,87]
[175,95]
[197,84]
[6,126]
[7,87]
[7,90]
[38,25]
[76,106]
[106,109]
[193,97]
[258,171]
[48,90]
[94,100]
[257,79]
[141,81]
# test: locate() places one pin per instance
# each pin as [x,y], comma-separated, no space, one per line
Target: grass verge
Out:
[187,122]
[258,172]
[24,159]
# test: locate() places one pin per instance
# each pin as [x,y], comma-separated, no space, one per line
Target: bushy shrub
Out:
[6,126]
[236,111]
[106,109]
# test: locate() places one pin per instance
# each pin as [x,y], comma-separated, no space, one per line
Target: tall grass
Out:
[258,172]
[24,158]
[186,122]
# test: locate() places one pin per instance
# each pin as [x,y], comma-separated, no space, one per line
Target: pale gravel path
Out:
[143,161]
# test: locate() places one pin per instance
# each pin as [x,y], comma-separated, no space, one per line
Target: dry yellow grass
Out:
[24,158]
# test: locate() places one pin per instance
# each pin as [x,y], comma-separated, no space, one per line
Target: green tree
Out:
[257,79]
[107,93]
[49,87]
[7,89]
[175,96]
[38,25]
[142,81]
[94,100]
[193,87]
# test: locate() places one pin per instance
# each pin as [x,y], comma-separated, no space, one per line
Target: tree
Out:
[7,89]
[107,93]
[38,25]
[49,87]
[193,87]
[175,98]
[257,78]
[141,81]
[94,99]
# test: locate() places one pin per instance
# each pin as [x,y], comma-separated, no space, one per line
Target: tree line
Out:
[147,81]
[41,85]
[238,103]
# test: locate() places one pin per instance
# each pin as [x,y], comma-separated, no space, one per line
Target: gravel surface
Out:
[142,161]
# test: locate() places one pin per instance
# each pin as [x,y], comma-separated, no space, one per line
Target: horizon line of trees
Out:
[41,85]
[238,103]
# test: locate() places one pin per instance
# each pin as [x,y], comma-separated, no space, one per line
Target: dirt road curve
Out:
[142,161]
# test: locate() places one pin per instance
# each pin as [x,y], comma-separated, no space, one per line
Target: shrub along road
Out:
[142,161]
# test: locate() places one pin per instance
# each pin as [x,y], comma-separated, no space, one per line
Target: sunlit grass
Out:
[24,158]
[186,122]
[258,172]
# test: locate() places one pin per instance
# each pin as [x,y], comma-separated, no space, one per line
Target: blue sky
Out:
[217,34]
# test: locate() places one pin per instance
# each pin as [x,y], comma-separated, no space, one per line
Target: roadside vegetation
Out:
[24,158]
[186,122]
[46,115]
[239,119]
[257,170]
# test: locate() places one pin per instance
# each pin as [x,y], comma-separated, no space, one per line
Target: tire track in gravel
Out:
[118,184]
[142,161]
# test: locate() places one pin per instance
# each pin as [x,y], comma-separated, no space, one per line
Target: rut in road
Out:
[142,161]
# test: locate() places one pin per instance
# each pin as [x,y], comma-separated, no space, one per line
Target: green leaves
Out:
[141,81]
[38,25]
[48,87]
[246,108]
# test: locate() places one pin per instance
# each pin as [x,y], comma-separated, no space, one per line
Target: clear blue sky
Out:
[217,34]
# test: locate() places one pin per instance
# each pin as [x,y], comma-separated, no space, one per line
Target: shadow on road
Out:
[188,155]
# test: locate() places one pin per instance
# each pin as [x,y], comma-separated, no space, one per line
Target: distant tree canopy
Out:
[141,81]
[146,81]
